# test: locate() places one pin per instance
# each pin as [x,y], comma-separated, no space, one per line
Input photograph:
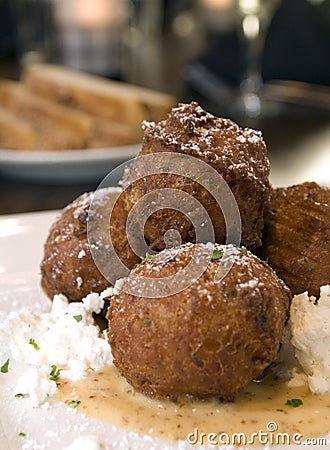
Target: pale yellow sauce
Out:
[107,397]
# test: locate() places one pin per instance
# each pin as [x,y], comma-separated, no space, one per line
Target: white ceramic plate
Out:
[53,426]
[66,165]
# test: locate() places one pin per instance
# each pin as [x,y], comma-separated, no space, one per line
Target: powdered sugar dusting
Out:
[219,141]
[81,254]
[166,265]
[81,205]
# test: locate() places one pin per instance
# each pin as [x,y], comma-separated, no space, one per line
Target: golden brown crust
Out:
[68,266]
[210,339]
[118,234]
[239,155]
[297,236]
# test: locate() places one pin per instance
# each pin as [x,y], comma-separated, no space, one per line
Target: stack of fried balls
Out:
[194,314]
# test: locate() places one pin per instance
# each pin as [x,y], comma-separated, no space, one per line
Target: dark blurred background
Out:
[297,45]
[194,50]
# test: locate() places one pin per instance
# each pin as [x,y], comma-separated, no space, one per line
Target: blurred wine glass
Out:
[235,92]
[253,18]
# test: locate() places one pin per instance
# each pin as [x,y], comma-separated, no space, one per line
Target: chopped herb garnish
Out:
[78,318]
[216,254]
[20,395]
[148,257]
[34,344]
[74,403]
[262,261]
[55,373]
[5,366]
[21,434]
[294,402]
[280,410]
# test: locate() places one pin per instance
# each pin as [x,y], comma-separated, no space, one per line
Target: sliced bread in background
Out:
[108,133]
[113,100]
[15,133]
[55,126]
[57,108]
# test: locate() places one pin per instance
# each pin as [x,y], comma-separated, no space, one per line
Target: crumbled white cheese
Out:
[118,285]
[106,293]
[85,443]
[66,337]
[310,329]
[36,384]
[93,303]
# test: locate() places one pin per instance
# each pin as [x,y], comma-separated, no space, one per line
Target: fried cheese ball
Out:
[238,155]
[297,236]
[67,266]
[119,239]
[210,339]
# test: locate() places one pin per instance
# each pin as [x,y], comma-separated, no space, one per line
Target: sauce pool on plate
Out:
[260,412]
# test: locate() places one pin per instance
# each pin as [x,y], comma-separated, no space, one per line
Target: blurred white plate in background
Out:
[65,165]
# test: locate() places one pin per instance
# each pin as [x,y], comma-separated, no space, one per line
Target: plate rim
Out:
[45,157]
